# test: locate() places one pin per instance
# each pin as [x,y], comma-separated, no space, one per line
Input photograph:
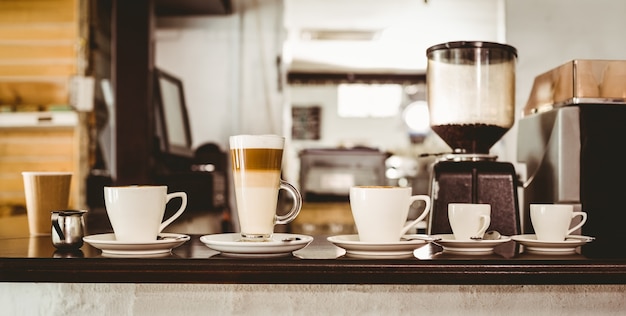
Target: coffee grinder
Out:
[471,100]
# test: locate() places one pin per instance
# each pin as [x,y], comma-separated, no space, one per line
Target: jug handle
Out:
[55,224]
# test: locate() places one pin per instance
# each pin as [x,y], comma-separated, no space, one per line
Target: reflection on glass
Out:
[416,117]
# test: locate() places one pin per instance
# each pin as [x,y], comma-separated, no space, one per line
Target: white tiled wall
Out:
[230,299]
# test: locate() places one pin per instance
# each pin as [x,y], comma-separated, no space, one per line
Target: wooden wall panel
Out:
[35,149]
[38,32]
[34,93]
[52,52]
[41,48]
[40,70]
[39,51]
[32,142]
[37,11]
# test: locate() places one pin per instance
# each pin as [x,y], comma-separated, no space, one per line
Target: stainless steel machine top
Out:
[578,82]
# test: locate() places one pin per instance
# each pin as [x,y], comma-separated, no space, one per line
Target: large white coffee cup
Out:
[136,212]
[552,222]
[256,167]
[469,220]
[380,212]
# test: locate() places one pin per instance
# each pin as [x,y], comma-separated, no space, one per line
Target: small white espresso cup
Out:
[469,220]
[380,212]
[136,212]
[552,221]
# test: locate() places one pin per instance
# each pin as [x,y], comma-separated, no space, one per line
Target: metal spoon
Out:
[181,237]
[583,238]
[419,237]
[490,235]
[289,239]
[429,239]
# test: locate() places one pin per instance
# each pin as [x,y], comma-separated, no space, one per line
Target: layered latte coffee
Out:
[256,166]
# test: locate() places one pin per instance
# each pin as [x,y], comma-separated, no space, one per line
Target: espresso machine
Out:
[471,99]
[569,138]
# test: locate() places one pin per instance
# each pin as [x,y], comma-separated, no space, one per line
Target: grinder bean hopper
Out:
[471,99]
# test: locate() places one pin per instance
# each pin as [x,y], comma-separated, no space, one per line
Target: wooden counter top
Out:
[34,259]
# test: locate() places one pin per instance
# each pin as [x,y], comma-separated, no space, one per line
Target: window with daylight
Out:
[369,100]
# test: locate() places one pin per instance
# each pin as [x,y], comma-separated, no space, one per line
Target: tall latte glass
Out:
[256,165]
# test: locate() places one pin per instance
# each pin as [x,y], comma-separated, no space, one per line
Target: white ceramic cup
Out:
[552,222]
[256,166]
[469,220]
[136,212]
[380,212]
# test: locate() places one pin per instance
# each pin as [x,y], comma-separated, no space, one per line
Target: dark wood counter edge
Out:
[237,271]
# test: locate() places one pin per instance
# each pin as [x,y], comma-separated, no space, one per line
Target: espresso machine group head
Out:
[471,99]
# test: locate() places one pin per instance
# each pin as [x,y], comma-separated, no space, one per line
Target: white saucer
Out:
[469,247]
[110,246]
[231,245]
[566,247]
[390,250]
[135,255]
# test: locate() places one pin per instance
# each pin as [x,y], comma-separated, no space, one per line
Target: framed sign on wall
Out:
[306,121]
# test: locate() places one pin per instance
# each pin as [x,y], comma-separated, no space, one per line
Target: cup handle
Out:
[295,208]
[582,221]
[412,199]
[486,219]
[178,213]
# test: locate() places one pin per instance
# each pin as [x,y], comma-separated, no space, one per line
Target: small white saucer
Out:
[231,245]
[390,250]
[566,247]
[469,247]
[135,255]
[110,246]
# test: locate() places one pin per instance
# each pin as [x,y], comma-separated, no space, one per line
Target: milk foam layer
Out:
[257,141]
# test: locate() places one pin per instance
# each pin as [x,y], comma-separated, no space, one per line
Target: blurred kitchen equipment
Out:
[326,176]
[471,99]
[204,179]
[68,229]
[328,173]
[569,138]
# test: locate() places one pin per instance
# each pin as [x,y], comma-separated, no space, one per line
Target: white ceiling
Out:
[402,30]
